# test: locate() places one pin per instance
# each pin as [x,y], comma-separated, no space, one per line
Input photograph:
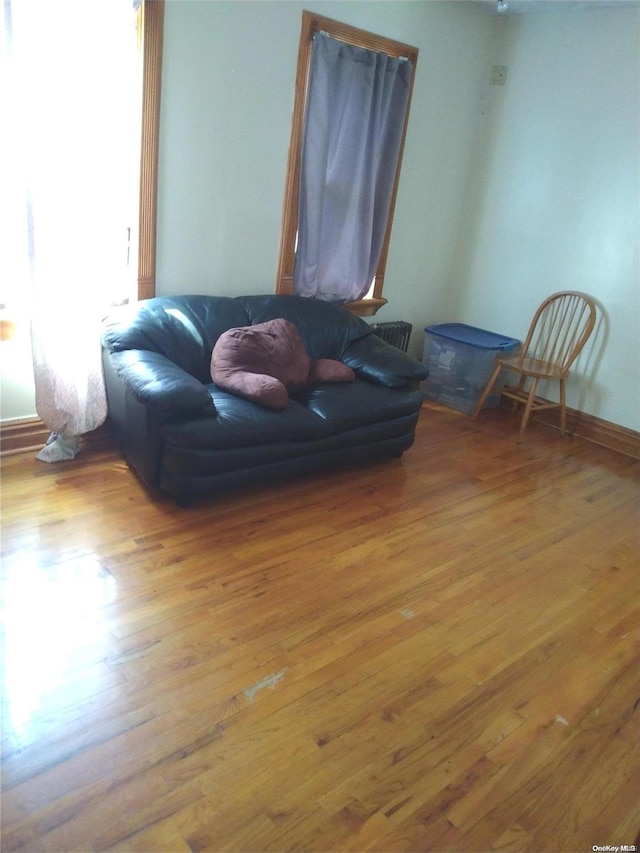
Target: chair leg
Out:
[563,408]
[527,409]
[519,390]
[486,392]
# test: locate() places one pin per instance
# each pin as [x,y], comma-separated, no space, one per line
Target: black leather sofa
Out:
[187,437]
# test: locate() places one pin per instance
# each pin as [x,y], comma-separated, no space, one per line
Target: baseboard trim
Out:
[22,435]
[589,427]
[25,435]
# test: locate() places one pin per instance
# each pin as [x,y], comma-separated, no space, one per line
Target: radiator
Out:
[396,333]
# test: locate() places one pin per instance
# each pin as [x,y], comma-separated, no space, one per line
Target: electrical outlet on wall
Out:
[498,75]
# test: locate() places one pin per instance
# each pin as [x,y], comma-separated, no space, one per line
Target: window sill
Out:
[8,329]
[366,307]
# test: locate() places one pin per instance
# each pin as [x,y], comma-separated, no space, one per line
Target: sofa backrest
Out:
[185,328]
[326,329]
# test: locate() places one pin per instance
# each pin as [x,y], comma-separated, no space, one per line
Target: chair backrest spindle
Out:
[560,328]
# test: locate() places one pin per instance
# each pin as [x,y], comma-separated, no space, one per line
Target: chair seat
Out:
[532,367]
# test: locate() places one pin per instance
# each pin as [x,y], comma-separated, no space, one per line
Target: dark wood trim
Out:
[28,435]
[22,435]
[152,41]
[615,437]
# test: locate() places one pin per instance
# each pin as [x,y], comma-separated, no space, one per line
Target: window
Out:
[311,25]
[71,159]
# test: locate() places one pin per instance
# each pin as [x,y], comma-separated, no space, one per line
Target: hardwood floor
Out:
[438,653]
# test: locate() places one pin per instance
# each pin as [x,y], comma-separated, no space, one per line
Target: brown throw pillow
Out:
[267,362]
[263,363]
[329,370]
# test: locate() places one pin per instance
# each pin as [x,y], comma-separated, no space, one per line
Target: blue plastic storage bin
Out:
[460,362]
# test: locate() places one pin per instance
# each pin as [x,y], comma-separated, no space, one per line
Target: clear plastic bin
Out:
[460,362]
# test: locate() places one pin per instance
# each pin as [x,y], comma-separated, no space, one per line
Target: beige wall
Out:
[507,192]
[227,100]
[554,198]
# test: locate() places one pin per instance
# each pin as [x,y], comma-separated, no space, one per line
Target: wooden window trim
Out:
[152,29]
[311,24]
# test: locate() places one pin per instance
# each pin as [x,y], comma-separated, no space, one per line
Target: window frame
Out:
[151,29]
[312,23]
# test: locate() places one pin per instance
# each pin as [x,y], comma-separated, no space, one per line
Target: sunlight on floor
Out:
[55,625]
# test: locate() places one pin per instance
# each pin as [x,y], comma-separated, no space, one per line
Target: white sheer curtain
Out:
[356,108]
[70,156]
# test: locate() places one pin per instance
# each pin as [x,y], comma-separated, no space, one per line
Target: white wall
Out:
[554,198]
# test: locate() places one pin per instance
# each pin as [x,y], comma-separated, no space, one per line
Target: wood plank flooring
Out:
[438,653]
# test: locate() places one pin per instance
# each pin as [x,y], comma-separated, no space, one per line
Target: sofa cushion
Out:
[250,458]
[343,407]
[240,423]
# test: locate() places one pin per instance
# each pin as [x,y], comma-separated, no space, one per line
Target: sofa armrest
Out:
[160,384]
[378,361]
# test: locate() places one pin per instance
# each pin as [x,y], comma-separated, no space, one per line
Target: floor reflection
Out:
[55,626]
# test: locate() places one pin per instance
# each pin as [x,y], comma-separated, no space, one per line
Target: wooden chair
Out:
[558,331]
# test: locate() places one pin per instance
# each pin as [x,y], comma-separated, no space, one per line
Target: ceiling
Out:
[536,6]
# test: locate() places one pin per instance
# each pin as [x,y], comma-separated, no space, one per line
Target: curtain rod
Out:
[325,33]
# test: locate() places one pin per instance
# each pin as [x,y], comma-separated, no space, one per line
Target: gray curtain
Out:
[356,106]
